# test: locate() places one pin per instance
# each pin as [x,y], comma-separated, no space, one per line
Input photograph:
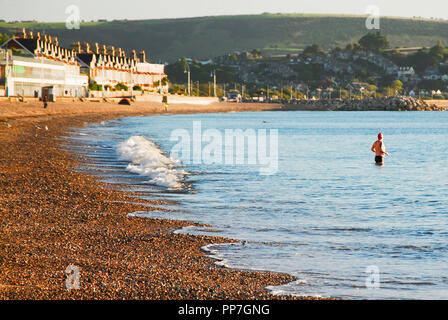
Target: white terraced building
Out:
[28,64]
[109,66]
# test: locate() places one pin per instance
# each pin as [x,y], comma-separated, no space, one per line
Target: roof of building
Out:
[85,57]
[29,45]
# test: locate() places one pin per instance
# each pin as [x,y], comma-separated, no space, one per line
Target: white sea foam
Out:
[148,160]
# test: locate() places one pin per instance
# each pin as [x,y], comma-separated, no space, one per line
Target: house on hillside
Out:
[431,73]
[431,76]
[206,62]
[337,66]
[406,73]
[380,61]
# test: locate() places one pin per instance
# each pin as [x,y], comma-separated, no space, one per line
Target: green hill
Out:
[206,37]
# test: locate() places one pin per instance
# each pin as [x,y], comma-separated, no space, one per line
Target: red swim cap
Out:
[380,136]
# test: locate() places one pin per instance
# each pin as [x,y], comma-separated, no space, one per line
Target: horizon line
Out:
[237,15]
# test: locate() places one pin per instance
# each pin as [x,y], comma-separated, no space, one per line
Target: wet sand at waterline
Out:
[53,216]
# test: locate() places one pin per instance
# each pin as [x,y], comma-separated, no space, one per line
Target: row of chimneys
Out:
[53,50]
[106,50]
[48,46]
[85,47]
[30,35]
[119,62]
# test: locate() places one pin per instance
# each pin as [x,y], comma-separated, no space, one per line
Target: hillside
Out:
[206,37]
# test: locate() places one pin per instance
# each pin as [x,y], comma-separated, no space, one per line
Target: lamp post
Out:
[213,75]
[41,70]
[132,82]
[6,72]
[330,90]
[103,78]
[187,71]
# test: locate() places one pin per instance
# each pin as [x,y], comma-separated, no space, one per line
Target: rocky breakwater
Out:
[401,103]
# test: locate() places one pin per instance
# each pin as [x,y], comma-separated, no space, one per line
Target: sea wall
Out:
[374,104]
[177,99]
[140,96]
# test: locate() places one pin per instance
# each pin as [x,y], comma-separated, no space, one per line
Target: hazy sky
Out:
[54,10]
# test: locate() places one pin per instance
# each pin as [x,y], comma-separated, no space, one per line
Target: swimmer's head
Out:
[380,136]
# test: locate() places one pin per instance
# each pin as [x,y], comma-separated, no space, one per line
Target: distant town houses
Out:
[340,69]
[31,64]
[349,58]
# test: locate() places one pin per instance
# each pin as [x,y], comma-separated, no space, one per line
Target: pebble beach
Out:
[53,216]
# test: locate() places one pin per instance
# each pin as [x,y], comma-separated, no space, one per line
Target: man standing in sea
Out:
[380,150]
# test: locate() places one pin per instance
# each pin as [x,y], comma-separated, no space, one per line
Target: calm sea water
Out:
[343,226]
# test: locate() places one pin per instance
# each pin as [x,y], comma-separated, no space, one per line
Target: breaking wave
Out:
[148,160]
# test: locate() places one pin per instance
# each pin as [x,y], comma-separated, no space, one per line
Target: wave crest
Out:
[148,160]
